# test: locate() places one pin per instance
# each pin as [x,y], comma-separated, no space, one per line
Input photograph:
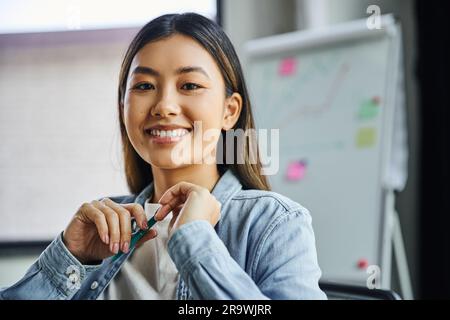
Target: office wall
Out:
[58,115]
[250,19]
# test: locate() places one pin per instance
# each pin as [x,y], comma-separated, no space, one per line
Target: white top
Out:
[149,274]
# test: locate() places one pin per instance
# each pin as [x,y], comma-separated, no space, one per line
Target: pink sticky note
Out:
[287,67]
[296,171]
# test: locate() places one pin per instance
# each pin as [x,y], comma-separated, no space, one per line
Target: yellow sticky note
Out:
[366,137]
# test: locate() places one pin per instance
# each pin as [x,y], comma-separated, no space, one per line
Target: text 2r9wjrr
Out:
[246,309]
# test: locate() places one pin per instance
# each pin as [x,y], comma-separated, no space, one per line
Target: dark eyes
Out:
[144,86]
[148,86]
[190,86]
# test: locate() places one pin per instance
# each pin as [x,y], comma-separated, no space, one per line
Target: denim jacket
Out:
[263,247]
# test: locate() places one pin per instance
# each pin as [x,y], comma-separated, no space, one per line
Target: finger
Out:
[165,209]
[125,224]
[176,210]
[138,213]
[98,218]
[152,233]
[112,219]
[175,196]
[179,189]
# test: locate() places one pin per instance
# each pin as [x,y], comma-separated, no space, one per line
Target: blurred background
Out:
[60,147]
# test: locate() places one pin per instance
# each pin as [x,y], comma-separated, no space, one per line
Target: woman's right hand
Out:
[100,229]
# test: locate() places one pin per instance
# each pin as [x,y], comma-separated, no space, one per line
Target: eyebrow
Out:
[181,70]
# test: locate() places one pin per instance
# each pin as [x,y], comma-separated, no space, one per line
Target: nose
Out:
[166,106]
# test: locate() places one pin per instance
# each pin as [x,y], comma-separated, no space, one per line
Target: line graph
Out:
[325,105]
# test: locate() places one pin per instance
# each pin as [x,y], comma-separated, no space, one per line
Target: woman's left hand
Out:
[188,202]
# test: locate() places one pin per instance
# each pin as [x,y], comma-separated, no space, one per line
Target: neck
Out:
[202,175]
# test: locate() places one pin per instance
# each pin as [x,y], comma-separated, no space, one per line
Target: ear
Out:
[233,107]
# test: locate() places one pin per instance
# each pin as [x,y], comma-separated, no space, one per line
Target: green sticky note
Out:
[369,109]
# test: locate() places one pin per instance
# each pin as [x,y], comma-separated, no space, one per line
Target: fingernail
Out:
[115,247]
[125,247]
[144,225]
[106,239]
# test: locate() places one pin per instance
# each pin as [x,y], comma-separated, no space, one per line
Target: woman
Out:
[221,234]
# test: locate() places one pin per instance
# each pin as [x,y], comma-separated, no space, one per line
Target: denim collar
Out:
[227,185]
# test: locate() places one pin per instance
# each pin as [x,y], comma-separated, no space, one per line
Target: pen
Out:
[136,237]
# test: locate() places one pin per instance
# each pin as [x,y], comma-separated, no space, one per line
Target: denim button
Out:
[94,285]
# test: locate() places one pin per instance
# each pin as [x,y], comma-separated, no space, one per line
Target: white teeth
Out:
[169,133]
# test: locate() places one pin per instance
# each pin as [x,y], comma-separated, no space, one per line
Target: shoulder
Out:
[264,223]
[270,201]
[267,210]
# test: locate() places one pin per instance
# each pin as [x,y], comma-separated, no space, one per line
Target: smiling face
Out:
[173,84]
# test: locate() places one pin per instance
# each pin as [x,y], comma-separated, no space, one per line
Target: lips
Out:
[167,134]
[168,127]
